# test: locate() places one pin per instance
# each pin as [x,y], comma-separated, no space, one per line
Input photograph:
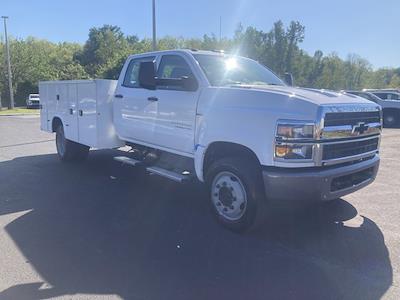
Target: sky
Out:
[369,28]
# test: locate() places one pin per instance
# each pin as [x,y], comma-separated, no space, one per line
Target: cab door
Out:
[174,125]
[134,110]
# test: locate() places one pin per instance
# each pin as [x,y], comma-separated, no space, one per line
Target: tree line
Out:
[107,47]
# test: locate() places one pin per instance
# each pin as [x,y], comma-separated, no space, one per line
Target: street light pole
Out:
[220,29]
[154,26]
[8,63]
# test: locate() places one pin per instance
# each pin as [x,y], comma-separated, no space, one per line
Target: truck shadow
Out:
[99,228]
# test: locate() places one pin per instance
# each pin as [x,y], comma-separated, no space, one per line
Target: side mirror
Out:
[147,75]
[289,79]
[189,83]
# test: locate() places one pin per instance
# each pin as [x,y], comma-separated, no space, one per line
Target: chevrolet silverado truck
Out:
[226,121]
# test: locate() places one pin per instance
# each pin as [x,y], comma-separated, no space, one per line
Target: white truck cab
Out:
[226,121]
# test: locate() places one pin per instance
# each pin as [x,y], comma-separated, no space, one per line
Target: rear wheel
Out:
[68,150]
[237,193]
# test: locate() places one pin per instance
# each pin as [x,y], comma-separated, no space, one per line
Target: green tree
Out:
[104,50]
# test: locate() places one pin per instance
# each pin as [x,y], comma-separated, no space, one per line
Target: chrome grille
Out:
[349,133]
[351,118]
[350,148]
[351,124]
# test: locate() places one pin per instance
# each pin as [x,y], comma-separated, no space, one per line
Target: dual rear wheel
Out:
[68,150]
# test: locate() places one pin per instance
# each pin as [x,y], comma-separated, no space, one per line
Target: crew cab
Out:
[223,120]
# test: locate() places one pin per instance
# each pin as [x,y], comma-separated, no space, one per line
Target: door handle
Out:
[119,96]
[71,111]
[153,99]
[80,113]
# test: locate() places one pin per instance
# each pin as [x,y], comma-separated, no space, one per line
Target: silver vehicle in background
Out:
[389,100]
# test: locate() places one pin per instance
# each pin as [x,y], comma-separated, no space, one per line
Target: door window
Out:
[173,67]
[132,72]
[382,95]
[393,96]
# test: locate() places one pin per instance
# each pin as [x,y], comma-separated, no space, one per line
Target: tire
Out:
[237,194]
[390,119]
[69,151]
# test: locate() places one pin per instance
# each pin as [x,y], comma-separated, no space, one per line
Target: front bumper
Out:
[33,105]
[311,184]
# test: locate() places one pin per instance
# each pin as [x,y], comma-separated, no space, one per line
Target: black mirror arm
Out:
[289,79]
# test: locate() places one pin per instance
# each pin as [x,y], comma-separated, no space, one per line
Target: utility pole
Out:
[154,26]
[8,64]
[220,29]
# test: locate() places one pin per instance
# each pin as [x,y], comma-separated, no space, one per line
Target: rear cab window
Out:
[132,72]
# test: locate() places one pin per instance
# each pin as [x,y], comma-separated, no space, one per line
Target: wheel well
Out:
[55,123]
[219,150]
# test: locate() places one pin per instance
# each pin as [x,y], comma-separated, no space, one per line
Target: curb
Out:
[16,115]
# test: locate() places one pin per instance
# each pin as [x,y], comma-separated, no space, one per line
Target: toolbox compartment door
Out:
[87,113]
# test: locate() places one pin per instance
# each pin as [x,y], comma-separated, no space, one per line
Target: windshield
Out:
[233,70]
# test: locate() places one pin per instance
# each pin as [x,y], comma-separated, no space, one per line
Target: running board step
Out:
[128,161]
[181,178]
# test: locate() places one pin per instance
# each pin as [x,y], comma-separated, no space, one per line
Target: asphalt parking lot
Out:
[98,230]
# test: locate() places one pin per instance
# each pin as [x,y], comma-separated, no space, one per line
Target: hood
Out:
[318,97]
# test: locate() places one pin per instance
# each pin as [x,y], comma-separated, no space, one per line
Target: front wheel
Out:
[237,193]
[68,150]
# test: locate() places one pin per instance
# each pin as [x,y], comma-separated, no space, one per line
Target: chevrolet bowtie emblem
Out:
[360,128]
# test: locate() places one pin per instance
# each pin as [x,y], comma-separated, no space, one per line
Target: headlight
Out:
[286,130]
[294,151]
[293,140]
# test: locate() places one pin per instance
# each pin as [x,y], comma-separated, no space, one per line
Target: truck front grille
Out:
[349,134]
[351,118]
[351,148]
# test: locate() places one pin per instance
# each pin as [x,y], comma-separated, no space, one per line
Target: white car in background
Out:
[33,101]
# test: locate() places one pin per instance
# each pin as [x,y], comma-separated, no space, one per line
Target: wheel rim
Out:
[229,196]
[60,142]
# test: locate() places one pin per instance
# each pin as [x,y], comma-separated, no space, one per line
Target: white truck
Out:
[226,121]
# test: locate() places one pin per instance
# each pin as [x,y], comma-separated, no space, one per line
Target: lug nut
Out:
[218,203]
